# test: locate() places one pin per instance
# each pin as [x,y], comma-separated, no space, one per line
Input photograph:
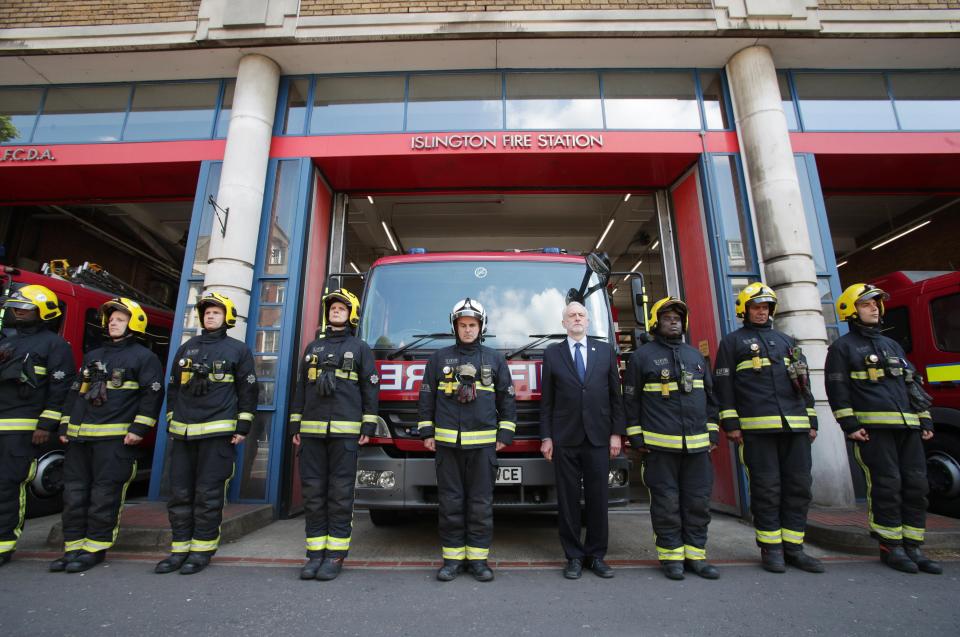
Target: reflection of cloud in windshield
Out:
[514,314]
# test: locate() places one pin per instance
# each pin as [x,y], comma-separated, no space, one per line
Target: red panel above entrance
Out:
[504,160]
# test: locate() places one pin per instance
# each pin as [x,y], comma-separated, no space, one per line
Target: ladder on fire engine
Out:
[93,276]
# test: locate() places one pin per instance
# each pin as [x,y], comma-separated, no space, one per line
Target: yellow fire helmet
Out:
[668,303]
[847,303]
[35,297]
[756,293]
[138,318]
[346,297]
[221,301]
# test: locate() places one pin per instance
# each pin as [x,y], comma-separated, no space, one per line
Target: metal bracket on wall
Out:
[222,214]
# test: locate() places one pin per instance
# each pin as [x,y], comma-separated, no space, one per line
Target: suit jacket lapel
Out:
[568,358]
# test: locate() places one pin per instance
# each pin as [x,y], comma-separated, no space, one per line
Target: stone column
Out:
[242,182]
[784,243]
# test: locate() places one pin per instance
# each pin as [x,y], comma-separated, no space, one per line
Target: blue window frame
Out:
[103,113]
[514,99]
[860,100]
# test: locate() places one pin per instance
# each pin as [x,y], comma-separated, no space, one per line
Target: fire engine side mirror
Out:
[599,264]
[638,295]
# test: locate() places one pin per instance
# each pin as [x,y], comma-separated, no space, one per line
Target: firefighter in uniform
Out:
[212,398]
[763,389]
[334,410]
[672,418]
[466,414]
[36,370]
[877,398]
[112,405]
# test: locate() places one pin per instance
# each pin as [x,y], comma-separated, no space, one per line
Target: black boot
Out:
[330,568]
[702,568]
[195,563]
[171,563]
[85,561]
[309,570]
[449,571]
[5,557]
[60,564]
[480,571]
[923,562]
[797,558]
[673,569]
[771,559]
[896,558]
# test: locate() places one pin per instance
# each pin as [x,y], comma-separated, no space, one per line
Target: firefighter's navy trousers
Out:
[17,469]
[96,474]
[895,467]
[200,473]
[680,486]
[778,467]
[328,468]
[465,480]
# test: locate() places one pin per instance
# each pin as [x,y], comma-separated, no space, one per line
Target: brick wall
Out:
[69,13]
[348,7]
[888,4]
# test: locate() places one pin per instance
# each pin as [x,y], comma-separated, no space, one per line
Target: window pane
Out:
[788,108]
[946,322]
[810,212]
[268,341]
[295,117]
[226,109]
[736,231]
[927,101]
[206,220]
[21,106]
[270,316]
[172,111]
[256,458]
[553,100]
[714,104]
[265,392]
[273,291]
[282,212]
[844,101]
[358,105]
[896,325]
[266,365]
[88,114]
[455,102]
[650,100]
[191,322]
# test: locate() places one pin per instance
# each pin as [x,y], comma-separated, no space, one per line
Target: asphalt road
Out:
[126,598]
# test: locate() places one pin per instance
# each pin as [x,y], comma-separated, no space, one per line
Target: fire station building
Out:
[254,147]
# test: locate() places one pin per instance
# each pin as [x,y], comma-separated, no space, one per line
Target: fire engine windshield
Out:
[522,298]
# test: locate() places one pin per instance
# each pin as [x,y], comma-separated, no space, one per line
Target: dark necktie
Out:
[578,361]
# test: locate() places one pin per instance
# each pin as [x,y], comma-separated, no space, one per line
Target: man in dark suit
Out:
[581,425]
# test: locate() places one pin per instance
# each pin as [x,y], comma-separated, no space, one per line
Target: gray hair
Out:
[563,314]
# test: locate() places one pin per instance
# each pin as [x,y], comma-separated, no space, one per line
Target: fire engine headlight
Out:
[617,478]
[387,480]
[376,479]
[367,478]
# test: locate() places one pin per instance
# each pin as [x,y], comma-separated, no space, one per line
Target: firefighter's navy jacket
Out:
[134,391]
[36,372]
[352,409]
[228,403]
[489,419]
[859,401]
[753,386]
[668,392]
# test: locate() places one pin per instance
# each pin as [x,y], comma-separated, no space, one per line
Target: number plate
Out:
[509,475]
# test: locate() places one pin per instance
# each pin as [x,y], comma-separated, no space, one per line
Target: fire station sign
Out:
[506,141]
[27,154]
